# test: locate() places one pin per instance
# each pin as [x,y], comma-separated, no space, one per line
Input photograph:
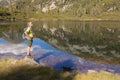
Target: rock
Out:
[30,61]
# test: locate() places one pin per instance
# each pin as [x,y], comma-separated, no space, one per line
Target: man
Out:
[28,32]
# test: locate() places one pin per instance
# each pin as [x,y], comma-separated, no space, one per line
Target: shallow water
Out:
[46,55]
[98,41]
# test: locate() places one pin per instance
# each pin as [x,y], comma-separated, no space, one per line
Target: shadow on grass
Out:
[27,72]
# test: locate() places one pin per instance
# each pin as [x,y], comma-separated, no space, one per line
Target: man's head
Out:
[29,24]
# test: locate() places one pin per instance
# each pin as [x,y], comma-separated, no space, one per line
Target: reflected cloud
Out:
[46,55]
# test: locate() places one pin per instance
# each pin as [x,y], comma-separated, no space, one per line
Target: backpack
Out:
[24,36]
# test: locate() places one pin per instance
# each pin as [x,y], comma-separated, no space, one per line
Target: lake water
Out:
[97,41]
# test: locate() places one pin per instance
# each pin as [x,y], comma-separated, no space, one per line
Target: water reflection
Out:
[12,32]
[46,55]
[98,41]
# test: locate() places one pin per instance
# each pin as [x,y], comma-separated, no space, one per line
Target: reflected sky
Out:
[47,55]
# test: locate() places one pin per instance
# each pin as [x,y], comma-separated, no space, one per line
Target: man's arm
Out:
[26,33]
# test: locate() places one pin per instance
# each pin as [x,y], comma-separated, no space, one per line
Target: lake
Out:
[97,41]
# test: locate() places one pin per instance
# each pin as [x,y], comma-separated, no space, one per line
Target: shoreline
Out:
[67,19]
[34,63]
[12,69]
[61,19]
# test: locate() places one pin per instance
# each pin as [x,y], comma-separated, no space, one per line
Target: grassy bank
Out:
[103,16]
[56,16]
[12,69]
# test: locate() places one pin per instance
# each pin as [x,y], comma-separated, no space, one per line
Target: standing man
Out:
[28,32]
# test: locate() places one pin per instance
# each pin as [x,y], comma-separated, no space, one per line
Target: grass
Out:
[12,69]
[97,76]
[64,16]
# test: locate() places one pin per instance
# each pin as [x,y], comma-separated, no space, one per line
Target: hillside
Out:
[60,9]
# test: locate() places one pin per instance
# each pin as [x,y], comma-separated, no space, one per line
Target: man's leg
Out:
[28,50]
[29,47]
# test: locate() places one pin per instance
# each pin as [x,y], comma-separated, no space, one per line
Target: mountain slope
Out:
[76,8]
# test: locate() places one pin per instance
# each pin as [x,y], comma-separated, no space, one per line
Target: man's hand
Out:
[26,33]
